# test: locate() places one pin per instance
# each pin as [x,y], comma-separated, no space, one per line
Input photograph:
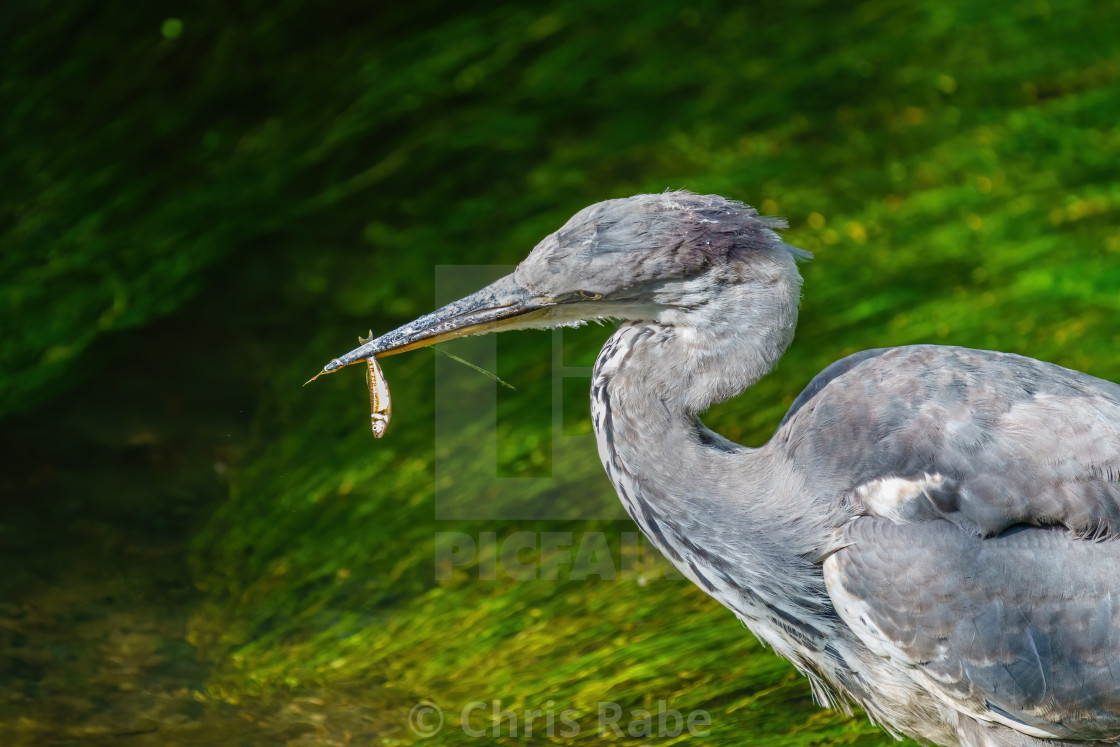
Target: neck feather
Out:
[653,378]
[720,512]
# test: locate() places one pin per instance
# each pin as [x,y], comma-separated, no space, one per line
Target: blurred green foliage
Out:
[284,176]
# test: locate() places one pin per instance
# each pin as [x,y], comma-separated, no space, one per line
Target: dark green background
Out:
[201,204]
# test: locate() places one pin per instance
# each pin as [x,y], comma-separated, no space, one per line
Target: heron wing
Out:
[982,544]
[985,440]
[1021,629]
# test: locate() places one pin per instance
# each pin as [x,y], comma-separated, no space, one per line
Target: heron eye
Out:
[588,295]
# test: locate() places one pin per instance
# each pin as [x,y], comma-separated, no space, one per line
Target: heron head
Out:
[648,257]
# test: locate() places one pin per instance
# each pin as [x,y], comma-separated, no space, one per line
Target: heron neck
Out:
[744,524]
[735,520]
[653,378]
[649,383]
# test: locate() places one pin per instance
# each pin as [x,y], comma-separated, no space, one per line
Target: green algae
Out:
[286,179]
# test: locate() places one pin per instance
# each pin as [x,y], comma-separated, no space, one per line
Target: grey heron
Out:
[930,534]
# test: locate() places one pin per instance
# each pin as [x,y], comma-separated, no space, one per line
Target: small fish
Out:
[380,405]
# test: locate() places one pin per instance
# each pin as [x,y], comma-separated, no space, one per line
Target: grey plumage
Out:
[1020,625]
[931,533]
[655,241]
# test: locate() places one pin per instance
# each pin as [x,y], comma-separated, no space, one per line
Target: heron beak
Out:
[499,306]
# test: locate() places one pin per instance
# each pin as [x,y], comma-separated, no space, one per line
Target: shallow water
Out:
[198,214]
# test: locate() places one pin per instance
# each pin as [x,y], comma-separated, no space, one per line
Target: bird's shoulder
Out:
[981,438]
[947,373]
